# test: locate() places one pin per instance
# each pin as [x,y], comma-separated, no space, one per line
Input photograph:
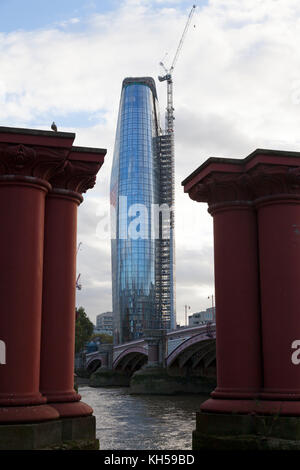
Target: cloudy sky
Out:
[236,86]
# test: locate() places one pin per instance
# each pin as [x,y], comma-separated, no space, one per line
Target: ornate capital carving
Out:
[223,187]
[262,181]
[76,176]
[269,180]
[40,162]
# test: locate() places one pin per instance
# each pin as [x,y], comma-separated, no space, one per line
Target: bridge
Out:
[186,351]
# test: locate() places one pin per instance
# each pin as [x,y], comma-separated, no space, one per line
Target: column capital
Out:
[31,160]
[49,156]
[221,188]
[80,170]
[275,180]
[32,152]
[76,176]
[263,173]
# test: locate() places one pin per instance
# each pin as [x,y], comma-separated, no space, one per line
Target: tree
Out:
[83,329]
[104,338]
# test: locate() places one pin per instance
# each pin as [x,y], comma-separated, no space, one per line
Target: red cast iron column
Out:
[58,317]
[273,181]
[278,206]
[229,196]
[24,169]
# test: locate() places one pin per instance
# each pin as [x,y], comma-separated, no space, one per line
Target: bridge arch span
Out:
[131,359]
[197,353]
[93,363]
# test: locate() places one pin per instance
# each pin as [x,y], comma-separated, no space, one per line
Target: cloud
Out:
[68,22]
[236,88]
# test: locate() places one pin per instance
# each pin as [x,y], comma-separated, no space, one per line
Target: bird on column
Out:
[54,126]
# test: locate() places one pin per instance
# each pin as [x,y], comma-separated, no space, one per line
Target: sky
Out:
[236,88]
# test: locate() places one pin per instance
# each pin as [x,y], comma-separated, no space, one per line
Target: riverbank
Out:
[153,381]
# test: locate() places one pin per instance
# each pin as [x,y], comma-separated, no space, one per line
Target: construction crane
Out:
[168,77]
[78,285]
[165,303]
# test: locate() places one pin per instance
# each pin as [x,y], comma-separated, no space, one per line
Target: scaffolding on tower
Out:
[166,266]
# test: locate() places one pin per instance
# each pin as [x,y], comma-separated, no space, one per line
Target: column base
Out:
[246,432]
[22,400]
[58,397]
[254,406]
[72,409]
[27,414]
[280,395]
[229,394]
[60,434]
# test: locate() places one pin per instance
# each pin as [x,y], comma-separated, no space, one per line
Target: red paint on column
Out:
[21,246]
[58,332]
[227,190]
[29,159]
[58,317]
[270,180]
[237,302]
[279,243]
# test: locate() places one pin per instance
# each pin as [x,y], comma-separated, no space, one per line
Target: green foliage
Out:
[83,329]
[104,339]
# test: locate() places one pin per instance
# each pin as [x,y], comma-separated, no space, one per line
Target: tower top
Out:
[148,81]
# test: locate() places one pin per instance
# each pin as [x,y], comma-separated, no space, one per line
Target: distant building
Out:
[200,318]
[104,323]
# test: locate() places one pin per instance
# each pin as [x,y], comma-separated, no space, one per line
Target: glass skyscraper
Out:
[142,276]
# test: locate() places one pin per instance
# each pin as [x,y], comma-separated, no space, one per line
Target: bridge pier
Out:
[30,161]
[156,344]
[106,355]
[153,377]
[255,202]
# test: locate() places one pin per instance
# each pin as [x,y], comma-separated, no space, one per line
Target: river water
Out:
[148,422]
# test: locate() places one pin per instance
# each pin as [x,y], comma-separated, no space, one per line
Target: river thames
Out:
[147,422]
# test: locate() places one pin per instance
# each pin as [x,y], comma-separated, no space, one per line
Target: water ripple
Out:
[148,422]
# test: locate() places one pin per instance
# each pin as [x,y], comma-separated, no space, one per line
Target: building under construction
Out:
[142,180]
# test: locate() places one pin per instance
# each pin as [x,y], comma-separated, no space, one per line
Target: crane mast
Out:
[166,266]
[78,285]
[168,77]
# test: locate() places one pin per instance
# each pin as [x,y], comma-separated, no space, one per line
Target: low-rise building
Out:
[104,323]
[200,318]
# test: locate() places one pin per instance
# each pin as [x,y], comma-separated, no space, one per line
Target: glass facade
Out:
[134,191]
